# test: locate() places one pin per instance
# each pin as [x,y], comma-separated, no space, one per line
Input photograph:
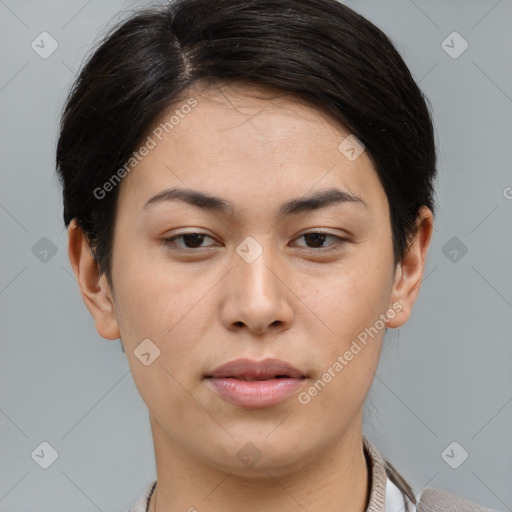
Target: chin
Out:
[259,454]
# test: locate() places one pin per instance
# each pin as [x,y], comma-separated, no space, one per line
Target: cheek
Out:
[162,306]
[353,296]
[350,303]
[150,296]
[166,304]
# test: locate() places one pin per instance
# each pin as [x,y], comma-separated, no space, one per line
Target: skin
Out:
[295,302]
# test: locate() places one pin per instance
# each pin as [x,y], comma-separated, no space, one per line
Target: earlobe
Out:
[409,272]
[94,287]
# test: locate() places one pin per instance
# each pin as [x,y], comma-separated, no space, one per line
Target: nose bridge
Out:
[257,297]
[253,270]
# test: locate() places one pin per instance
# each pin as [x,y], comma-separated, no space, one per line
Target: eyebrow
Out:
[207,202]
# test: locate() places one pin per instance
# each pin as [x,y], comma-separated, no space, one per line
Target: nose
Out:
[257,297]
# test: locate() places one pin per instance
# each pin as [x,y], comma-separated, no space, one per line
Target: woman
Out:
[249,195]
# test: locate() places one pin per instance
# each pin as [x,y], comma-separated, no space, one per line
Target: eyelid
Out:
[340,240]
[336,245]
[169,242]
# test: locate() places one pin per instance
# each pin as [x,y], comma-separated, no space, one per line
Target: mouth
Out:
[255,384]
[249,379]
[248,369]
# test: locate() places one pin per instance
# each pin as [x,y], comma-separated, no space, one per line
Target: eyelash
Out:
[170,244]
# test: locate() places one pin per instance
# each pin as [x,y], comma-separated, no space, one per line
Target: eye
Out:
[317,240]
[191,241]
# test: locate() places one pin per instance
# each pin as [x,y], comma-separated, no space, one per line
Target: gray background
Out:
[444,377]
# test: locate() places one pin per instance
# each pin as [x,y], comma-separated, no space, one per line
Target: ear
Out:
[409,272]
[94,288]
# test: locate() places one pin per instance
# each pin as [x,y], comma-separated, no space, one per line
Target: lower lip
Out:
[255,394]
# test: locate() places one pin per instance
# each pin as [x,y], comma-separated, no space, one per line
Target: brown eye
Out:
[193,240]
[190,241]
[317,240]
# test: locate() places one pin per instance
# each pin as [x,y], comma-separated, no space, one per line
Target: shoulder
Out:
[437,500]
[430,500]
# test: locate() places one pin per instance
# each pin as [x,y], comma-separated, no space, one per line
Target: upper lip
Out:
[259,370]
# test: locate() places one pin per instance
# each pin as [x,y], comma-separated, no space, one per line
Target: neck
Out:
[335,479]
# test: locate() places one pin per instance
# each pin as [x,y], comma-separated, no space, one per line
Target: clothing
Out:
[386,495]
[394,499]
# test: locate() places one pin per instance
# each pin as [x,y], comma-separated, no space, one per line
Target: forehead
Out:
[262,118]
[249,142]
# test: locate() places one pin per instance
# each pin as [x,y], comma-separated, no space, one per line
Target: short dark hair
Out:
[318,50]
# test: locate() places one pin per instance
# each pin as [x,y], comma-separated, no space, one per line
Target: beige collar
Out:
[378,476]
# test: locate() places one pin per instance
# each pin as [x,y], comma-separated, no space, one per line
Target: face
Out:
[290,258]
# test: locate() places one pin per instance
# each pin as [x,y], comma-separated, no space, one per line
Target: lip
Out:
[255,384]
